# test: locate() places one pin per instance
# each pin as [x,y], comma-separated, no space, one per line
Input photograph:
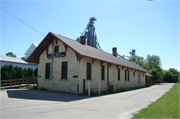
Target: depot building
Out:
[66,65]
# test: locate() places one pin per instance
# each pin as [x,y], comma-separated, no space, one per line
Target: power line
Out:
[22,21]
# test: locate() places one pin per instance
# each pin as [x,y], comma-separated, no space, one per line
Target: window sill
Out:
[88,79]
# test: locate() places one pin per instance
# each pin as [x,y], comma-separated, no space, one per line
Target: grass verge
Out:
[165,107]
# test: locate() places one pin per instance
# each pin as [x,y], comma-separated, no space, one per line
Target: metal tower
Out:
[90,34]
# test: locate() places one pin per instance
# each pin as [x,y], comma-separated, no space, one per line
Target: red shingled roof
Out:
[83,51]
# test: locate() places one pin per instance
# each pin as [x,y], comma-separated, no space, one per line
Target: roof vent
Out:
[83,40]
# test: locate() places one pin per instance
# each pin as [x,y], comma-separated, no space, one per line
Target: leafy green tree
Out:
[153,62]
[11,71]
[36,72]
[19,72]
[7,72]
[138,60]
[23,58]
[15,74]
[4,72]
[30,72]
[155,73]
[153,65]
[174,71]
[10,54]
[25,72]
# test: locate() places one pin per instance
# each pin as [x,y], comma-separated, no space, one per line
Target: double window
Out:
[64,70]
[88,71]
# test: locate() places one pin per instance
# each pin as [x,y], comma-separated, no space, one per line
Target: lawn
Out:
[165,107]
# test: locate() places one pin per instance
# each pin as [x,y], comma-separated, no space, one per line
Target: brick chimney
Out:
[83,40]
[114,51]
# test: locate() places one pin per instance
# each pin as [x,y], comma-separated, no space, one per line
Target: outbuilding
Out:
[66,65]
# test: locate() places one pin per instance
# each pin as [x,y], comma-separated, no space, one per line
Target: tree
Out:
[18,72]
[4,72]
[30,72]
[25,72]
[155,73]
[11,71]
[174,71]
[138,60]
[10,54]
[23,58]
[36,72]
[153,62]
[7,72]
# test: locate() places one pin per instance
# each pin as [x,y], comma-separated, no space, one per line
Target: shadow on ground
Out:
[43,95]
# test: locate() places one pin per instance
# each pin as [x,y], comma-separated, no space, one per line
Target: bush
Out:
[11,72]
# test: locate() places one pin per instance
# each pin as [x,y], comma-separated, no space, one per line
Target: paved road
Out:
[35,104]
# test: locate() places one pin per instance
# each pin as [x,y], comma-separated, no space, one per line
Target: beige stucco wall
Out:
[79,69]
[58,84]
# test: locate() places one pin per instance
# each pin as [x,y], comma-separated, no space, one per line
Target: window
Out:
[118,74]
[56,49]
[125,75]
[139,78]
[102,72]
[64,70]
[133,73]
[47,70]
[128,75]
[88,71]
[142,74]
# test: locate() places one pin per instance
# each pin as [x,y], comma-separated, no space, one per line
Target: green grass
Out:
[165,107]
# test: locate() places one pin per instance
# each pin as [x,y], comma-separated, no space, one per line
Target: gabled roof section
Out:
[149,75]
[82,50]
[33,44]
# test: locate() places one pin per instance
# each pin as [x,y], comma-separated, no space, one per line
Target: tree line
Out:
[11,72]
[153,65]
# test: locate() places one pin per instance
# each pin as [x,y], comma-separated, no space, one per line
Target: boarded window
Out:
[47,70]
[88,71]
[64,70]
[56,49]
[118,74]
[102,72]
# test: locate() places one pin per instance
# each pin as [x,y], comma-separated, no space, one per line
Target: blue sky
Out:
[149,27]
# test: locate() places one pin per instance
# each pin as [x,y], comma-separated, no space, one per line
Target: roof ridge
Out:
[80,43]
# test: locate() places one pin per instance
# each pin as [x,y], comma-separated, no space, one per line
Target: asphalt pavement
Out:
[36,104]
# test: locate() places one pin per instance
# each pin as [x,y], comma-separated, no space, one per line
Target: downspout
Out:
[0,72]
[108,75]
[51,77]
